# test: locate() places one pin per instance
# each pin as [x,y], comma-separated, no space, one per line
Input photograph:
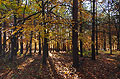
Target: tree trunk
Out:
[110,44]
[35,47]
[118,34]
[58,47]
[45,37]
[45,50]
[31,43]
[35,37]
[75,34]
[64,46]
[104,37]
[47,46]
[96,32]
[39,44]
[0,41]
[26,49]
[4,40]
[93,32]
[81,43]
[13,41]
[21,45]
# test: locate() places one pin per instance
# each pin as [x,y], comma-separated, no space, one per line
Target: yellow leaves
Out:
[20,10]
[14,32]
[24,64]
[18,53]
[35,40]
[65,73]
[0,2]
[66,1]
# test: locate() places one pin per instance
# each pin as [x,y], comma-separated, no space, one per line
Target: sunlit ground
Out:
[59,66]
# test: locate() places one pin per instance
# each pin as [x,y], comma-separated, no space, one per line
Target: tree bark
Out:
[81,43]
[35,37]
[93,32]
[118,34]
[58,47]
[31,43]
[39,44]
[21,45]
[110,44]
[75,34]
[96,32]
[4,39]
[13,41]
[104,37]
[45,39]
[26,49]
[0,41]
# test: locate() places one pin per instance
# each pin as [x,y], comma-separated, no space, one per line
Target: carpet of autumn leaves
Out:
[59,66]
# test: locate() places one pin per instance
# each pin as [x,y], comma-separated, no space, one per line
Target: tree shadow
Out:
[55,74]
[35,70]
[7,66]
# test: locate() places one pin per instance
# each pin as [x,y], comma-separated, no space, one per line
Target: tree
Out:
[75,34]
[4,39]
[93,31]
[118,47]
[39,44]
[0,41]
[45,38]
[81,26]
[96,32]
[110,44]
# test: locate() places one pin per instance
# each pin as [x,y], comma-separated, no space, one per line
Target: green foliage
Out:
[86,53]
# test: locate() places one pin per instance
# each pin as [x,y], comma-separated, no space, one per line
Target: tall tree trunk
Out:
[35,45]
[58,47]
[4,39]
[47,45]
[64,46]
[81,43]
[118,34]
[75,34]
[47,31]
[39,44]
[35,37]
[12,49]
[104,37]
[13,41]
[14,36]
[26,49]
[118,39]
[9,46]
[31,43]
[45,50]
[93,32]
[17,44]
[96,32]
[0,41]
[45,39]
[21,45]
[110,44]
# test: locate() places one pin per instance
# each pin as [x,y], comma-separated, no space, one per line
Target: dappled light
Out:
[59,39]
[24,64]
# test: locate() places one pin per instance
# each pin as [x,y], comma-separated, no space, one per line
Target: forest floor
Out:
[59,66]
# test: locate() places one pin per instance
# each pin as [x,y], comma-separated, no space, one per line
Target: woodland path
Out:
[59,66]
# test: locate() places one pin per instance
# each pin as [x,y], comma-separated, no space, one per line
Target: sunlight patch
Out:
[50,54]
[24,64]
[109,59]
